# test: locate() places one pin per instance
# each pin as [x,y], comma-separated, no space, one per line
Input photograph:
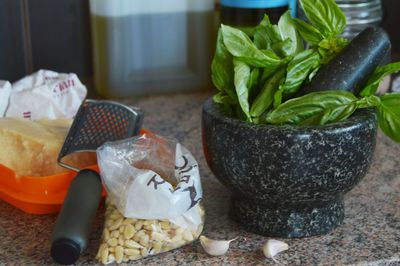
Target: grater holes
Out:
[104,124]
[99,123]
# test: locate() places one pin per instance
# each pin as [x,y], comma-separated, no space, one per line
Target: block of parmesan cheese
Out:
[30,148]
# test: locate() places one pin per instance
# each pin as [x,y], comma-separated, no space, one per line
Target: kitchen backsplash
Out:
[37,34]
[12,47]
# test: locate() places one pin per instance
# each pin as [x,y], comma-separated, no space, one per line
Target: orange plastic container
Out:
[36,194]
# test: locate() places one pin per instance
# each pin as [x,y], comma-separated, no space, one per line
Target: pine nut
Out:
[127,239]
[104,256]
[132,244]
[112,242]
[119,254]
[131,252]
[114,234]
[129,231]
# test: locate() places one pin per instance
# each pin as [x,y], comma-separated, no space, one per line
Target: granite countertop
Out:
[370,234]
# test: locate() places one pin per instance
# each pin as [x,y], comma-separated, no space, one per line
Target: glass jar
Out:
[360,14]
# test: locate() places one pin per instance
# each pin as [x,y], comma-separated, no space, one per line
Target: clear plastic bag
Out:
[154,189]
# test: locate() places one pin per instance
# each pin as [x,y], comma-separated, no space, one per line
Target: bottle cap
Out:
[65,251]
[254,3]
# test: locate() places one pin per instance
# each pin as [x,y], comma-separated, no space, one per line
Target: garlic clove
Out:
[273,247]
[215,247]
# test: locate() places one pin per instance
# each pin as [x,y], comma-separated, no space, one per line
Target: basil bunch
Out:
[255,71]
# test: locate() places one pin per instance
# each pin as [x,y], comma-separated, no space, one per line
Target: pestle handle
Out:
[351,69]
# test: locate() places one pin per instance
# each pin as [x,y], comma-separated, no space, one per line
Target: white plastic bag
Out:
[43,95]
[154,189]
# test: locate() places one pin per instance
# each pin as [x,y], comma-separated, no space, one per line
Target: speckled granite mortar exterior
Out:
[288,181]
[369,235]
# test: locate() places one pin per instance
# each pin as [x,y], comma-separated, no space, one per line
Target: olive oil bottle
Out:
[146,47]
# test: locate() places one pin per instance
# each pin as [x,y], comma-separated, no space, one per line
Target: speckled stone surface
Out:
[369,235]
[288,181]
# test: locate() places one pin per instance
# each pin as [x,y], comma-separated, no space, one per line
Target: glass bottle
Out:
[248,13]
[153,46]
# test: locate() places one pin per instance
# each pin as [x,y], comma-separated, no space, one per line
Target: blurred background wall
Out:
[55,35]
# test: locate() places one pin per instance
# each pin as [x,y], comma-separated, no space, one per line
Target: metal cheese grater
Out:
[95,123]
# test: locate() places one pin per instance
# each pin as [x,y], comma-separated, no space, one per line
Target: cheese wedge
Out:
[31,148]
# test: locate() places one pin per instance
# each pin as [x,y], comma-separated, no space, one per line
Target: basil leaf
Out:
[242,77]
[223,98]
[282,48]
[222,69]
[334,44]
[266,96]
[240,114]
[315,108]
[389,115]
[263,37]
[241,46]
[338,113]
[329,48]
[325,15]
[288,31]
[369,101]
[313,73]
[225,101]
[299,69]
[260,38]
[278,96]
[379,74]
[249,31]
[253,83]
[271,30]
[283,38]
[254,74]
[311,34]
[267,73]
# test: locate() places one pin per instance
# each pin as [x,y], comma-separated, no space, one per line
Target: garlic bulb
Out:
[215,247]
[273,247]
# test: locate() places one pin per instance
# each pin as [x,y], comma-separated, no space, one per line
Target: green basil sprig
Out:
[316,108]
[245,61]
[379,74]
[302,65]
[242,78]
[327,23]
[222,70]
[266,96]
[325,16]
[389,115]
[320,108]
[240,45]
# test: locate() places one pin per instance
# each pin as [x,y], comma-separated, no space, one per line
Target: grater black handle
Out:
[74,223]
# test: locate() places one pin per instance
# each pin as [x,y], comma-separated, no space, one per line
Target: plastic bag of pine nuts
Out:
[153,204]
